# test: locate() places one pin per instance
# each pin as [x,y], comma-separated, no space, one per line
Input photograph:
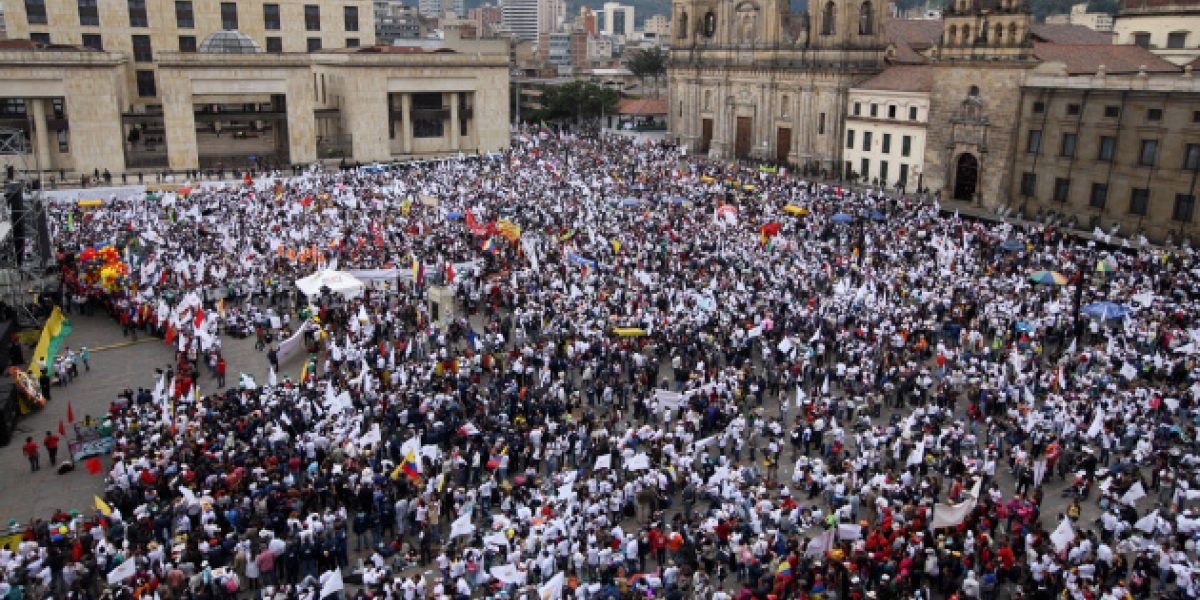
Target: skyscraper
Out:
[521,18]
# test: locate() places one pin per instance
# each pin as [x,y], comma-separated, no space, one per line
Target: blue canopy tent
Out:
[842,218]
[454,214]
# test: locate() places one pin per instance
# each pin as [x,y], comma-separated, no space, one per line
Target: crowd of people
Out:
[661,376]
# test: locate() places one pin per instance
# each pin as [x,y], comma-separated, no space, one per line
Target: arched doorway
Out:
[966,177]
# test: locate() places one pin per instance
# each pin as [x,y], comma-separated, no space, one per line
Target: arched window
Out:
[829,19]
[683,26]
[967,35]
[710,24]
[783,106]
[999,34]
[866,22]
[953,39]
[983,33]
[1012,34]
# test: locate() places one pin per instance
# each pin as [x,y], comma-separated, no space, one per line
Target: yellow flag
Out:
[103,506]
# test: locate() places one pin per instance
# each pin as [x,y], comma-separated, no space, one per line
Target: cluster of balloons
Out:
[102,265]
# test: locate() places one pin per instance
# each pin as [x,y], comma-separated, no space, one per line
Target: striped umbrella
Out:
[1048,278]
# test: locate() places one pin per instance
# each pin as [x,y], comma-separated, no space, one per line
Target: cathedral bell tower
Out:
[847,24]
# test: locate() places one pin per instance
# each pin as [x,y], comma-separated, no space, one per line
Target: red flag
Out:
[93,465]
[70,413]
[61,430]
[450,272]
[170,334]
[199,320]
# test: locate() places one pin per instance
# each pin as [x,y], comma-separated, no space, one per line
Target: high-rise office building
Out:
[616,19]
[521,18]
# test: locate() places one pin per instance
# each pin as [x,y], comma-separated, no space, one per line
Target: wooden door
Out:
[706,128]
[783,144]
[742,146]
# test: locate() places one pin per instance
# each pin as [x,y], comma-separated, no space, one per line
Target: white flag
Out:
[1135,493]
[123,571]
[1097,424]
[603,461]
[553,590]
[332,584]
[462,526]
[1063,535]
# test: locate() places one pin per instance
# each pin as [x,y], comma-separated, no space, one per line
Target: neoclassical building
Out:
[748,79]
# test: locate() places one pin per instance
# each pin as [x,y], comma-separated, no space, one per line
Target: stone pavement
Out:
[117,364]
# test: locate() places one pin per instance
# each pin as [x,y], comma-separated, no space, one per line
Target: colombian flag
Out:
[418,273]
[409,466]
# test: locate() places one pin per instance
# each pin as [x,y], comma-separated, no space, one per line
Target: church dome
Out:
[230,42]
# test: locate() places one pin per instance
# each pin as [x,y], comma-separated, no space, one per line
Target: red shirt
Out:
[51,441]
[30,449]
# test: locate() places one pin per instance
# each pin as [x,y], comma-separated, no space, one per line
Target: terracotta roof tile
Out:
[901,78]
[911,37]
[1085,59]
[1070,34]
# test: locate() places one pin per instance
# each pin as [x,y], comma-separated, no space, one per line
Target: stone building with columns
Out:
[173,88]
[748,79]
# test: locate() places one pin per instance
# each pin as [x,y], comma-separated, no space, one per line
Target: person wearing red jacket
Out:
[31,452]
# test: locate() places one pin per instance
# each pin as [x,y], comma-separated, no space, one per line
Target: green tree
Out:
[648,62]
[579,100]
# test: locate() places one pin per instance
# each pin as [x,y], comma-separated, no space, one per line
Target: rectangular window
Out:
[1062,189]
[1142,39]
[351,18]
[1072,109]
[883,173]
[275,45]
[1177,40]
[1099,195]
[1108,148]
[867,135]
[1068,144]
[858,109]
[137,14]
[850,139]
[906,146]
[1154,114]
[64,145]
[58,108]
[312,17]
[187,43]
[887,143]
[93,41]
[1191,157]
[141,49]
[89,13]
[1196,116]
[1139,201]
[12,107]
[874,110]
[1028,184]
[352,42]
[35,12]
[1185,205]
[892,111]
[184,17]
[41,38]
[1039,107]
[912,113]
[1149,154]
[865,169]
[271,17]
[821,124]
[145,84]
[1034,144]
[314,44]
[229,16]
[1112,112]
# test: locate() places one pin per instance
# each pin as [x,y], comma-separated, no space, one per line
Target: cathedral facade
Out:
[748,79]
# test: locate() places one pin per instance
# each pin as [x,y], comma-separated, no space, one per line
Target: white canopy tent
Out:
[338,282]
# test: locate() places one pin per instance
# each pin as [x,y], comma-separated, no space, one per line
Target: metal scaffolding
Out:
[23,270]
